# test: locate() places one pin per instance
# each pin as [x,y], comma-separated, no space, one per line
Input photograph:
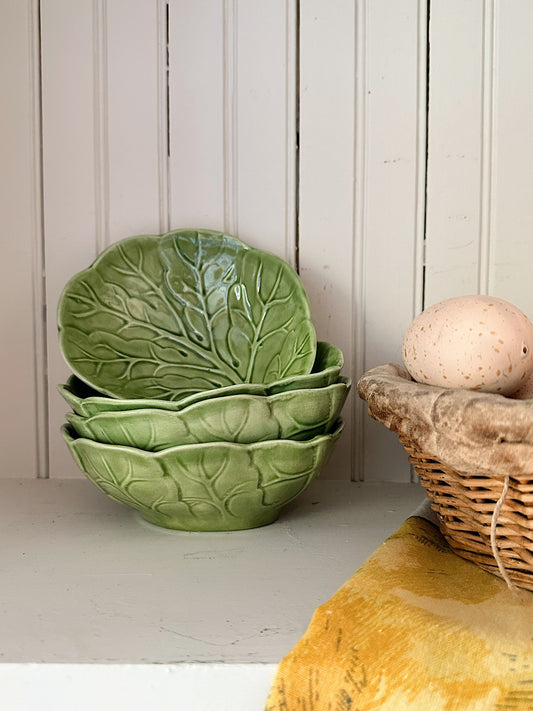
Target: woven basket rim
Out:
[469,431]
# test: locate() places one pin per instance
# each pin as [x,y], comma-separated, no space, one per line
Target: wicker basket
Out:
[473,453]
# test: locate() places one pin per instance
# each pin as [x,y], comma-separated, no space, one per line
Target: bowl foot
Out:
[216,524]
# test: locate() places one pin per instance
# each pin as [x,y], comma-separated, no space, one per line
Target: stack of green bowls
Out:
[199,394]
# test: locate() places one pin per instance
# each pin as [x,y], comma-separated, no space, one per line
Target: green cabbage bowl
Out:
[167,316]
[87,401]
[217,486]
[297,414]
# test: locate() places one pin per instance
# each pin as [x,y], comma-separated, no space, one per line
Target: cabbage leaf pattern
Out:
[172,315]
[206,487]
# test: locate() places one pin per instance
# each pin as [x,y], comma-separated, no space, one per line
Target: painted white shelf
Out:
[99,609]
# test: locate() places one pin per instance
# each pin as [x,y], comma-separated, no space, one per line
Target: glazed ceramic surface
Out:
[86,401]
[204,487]
[298,414]
[166,316]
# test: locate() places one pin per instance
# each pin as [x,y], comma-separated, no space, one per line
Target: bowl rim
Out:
[336,430]
[261,390]
[343,384]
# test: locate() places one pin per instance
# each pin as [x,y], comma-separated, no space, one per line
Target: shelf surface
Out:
[86,580]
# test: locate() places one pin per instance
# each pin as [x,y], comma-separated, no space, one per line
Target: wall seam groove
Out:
[40,315]
[230,117]
[487,147]
[163,128]
[292,227]
[422,146]
[357,453]
[101,138]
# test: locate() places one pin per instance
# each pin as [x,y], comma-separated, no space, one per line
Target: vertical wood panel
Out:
[136,112]
[103,150]
[512,210]
[70,214]
[326,210]
[394,202]
[459,148]
[480,152]
[232,119]
[197,159]
[265,86]
[22,415]
[363,126]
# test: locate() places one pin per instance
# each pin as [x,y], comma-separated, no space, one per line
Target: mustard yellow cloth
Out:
[417,628]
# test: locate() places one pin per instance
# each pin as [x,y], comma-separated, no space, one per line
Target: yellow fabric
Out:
[418,628]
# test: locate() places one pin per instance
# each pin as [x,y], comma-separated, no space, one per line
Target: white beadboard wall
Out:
[321,131]
[480,171]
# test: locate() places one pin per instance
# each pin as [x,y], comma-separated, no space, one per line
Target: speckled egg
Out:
[473,342]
